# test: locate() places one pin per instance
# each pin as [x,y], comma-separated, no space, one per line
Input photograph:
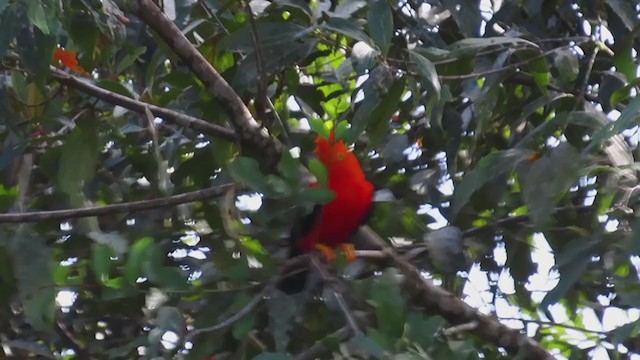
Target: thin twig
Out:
[139,106]
[248,130]
[470,326]
[504,68]
[326,277]
[553,324]
[235,317]
[262,75]
[70,340]
[61,215]
[587,74]
[283,125]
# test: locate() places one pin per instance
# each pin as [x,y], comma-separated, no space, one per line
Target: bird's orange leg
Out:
[349,251]
[328,254]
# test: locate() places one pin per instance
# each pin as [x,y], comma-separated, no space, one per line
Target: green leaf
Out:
[388,105]
[278,187]
[628,118]
[36,15]
[166,276]
[341,129]
[634,238]
[290,168]
[540,191]
[8,22]
[116,87]
[470,46]
[136,258]
[610,82]
[170,318]
[566,61]
[277,58]
[428,74]
[281,310]
[387,301]
[623,92]
[269,34]
[3,5]
[317,168]
[422,330]
[319,127]
[32,266]
[540,71]
[626,331]
[78,161]
[572,264]
[489,168]
[363,57]
[380,23]
[347,28]
[101,262]
[318,195]
[130,58]
[242,327]
[466,14]
[36,51]
[375,89]
[367,344]
[247,171]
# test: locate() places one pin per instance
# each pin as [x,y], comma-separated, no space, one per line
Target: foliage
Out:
[497,116]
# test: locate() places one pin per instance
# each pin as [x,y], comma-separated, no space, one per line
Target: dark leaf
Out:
[347,28]
[489,168]
[380,22]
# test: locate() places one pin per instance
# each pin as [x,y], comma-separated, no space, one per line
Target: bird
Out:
[333,224]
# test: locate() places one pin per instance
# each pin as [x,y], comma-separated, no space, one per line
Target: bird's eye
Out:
[340,156]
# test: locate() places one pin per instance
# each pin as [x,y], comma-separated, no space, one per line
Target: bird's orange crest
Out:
[69,59]
[338,158]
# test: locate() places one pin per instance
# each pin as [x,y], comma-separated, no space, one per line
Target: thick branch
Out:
[139,106]
[61,215]
[247,128]
[456,311]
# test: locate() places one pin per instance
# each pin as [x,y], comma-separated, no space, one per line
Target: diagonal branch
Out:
[247,128]
[342,303]
[139,106]
[445,304]
[115,208]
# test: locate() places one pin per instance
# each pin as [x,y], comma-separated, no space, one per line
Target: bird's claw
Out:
[329,254]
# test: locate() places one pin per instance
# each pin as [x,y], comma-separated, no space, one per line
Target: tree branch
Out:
[139,106]
[456,311]
[115,208]
[236,316]
[342,303]
[247,128]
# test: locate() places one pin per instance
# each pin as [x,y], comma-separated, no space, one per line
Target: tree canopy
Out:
[155,157]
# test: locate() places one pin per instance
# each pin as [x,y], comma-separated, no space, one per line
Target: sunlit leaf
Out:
[627,119]
[135,259]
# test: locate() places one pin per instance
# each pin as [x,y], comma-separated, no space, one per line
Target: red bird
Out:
[333,224]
